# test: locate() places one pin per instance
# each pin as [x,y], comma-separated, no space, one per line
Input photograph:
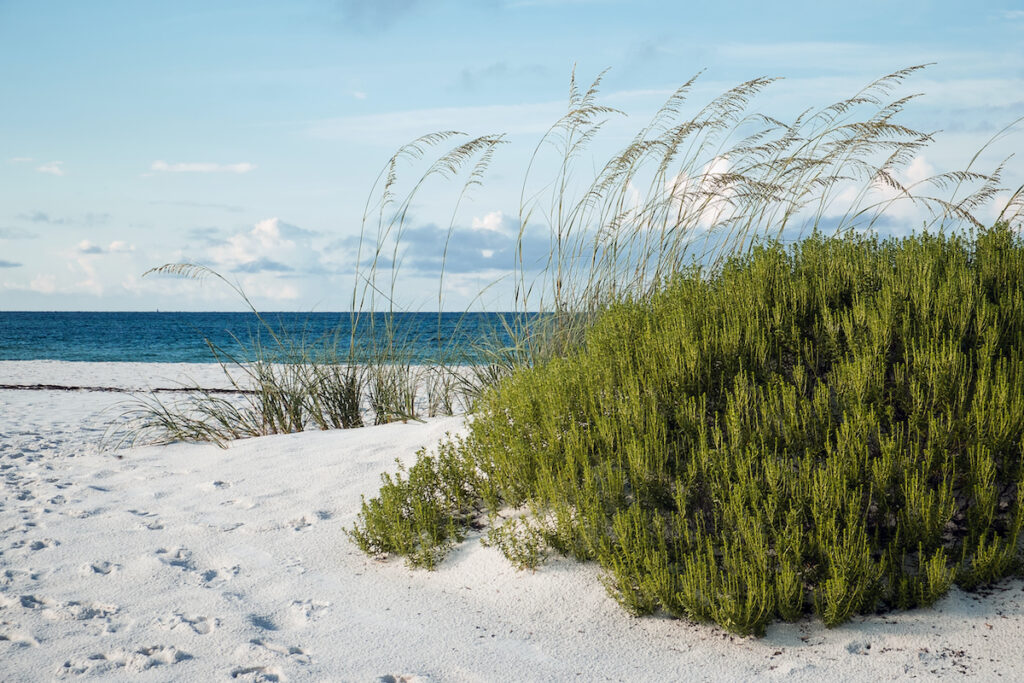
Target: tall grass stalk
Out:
[700,189]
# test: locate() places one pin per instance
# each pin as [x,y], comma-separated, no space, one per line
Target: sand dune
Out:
[188,562]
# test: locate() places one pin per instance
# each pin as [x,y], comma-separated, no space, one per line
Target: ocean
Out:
[175,337]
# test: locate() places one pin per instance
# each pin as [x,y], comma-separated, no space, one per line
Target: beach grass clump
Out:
[279,382]
[290,388]
[834,427]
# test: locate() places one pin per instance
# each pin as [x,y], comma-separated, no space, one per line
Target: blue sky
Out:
[247,135]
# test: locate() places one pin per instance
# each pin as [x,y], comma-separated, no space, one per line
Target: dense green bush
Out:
[835,427]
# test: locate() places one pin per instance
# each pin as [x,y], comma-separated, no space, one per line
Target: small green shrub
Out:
[421,510]
[520,542]
[836,427]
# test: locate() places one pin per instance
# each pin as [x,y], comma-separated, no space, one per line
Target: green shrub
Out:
[423,510]
[836,427]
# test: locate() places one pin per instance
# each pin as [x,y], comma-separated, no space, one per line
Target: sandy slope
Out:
[193,563]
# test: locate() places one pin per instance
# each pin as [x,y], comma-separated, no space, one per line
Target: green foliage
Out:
[421,511]
[520,542]
[683,191]
[290,386]
[835,427]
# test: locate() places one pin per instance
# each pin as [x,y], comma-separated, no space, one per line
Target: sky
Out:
[246,136]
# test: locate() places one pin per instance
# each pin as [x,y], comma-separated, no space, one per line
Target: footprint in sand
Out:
[295,564]
[294,654]
[134,661]
[179,557]
[197,623]
[12,577]
[306,521]
[103,568]
[12,634]
[35,545]
[257,674]
[68,611]
[213,578]
[302,612]
[264,623]
[149,519]
[260,653]
[86,514]
[32,602]
[81,611]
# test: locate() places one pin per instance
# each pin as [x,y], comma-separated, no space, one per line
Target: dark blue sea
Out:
[157,337]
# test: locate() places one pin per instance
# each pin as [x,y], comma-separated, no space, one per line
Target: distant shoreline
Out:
[123,390]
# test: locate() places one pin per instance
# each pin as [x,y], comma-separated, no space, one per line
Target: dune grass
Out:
[833,428]
[684,190]
[699,189]
[720,387]
[736,430]
[279,382]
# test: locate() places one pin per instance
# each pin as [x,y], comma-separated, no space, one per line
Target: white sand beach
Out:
[193,563]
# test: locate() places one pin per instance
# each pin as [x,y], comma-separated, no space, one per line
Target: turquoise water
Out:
[155,337]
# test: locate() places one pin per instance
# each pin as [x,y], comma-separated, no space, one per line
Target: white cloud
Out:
[87,247]
[495,221]
[851,198]
[996,207]
[919,170]
[701,200]
[52,168]
[271,246]
[20,160]
[261,288]
[201,167]
[91,283]
[359,94]
[120,247]
[896,205]
[115,247]
[470,286]
[44,284]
